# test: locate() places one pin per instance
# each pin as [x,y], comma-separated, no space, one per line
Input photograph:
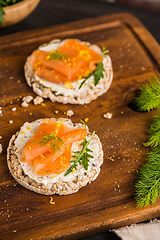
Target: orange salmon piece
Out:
[78,61]
[48,163]
[51,75]
[53,162]
[32,148]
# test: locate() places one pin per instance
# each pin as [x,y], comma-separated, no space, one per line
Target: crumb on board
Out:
[107,115]
[11,121]
[24,104]
[14,109]
[27,99]
[37,100]
[69,113]
[1,148]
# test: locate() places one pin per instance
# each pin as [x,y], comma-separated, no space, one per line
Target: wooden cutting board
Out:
[108,202]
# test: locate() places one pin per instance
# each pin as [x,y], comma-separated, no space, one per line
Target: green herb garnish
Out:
[57,55]
[97,73]
[82,156]
[55,141]
[5,3]
[148,184]
[149,97]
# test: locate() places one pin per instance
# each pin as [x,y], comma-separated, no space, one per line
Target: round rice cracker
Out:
[61,187]
[72,95]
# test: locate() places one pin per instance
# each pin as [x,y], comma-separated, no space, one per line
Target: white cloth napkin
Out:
[144,231]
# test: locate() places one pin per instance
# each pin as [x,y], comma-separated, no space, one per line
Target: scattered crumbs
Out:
[18,81]
[0,111]
[69,113]
[30,113]
[27,98]
[14,231]
[56,112]
[107,115]
[24,104]
[51,200]
[14,109]
[0,137]
[124,206]
[1,148]
[86,119]
[37,100]
[11,121]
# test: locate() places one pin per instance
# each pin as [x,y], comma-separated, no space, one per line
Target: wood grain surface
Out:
[108,202]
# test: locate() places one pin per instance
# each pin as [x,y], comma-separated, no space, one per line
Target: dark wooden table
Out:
[51,12]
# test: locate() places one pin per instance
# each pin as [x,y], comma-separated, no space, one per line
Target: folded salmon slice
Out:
[77,61]
[58,161]
[46,160]
[33,148]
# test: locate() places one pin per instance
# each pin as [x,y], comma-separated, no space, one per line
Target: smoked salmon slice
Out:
[31,150]
[45,159]
[75,61]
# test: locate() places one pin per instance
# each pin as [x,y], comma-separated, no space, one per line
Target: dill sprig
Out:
[148,185]
[55,141]
[82,156]
[57,55]
[149,97]
[154,133]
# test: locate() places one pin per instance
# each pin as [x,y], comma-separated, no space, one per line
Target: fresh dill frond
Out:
[57,55]
[55,142]
[154,133]
[82,156]
[98,73]
[148,185]
[149,95]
